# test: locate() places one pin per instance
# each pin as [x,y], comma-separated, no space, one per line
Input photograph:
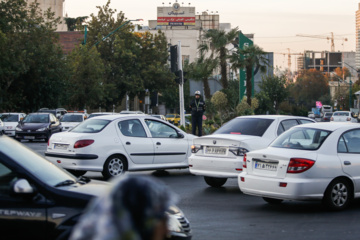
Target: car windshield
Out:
[44,170]
[301,138]
[328,114]
[341,114]
[91,126]
[170,115]
[246,126]
[9,118]
[72,118]
[36,118]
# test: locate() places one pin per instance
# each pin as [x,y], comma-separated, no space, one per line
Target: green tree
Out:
[33,69]
[133,62]
[201,69]
[274,89]
[253,59]
[216,41]
[310,86]
[86,81]
[75,23]
[219,100]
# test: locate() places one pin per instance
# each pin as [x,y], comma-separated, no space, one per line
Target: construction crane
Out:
[332,38]
[289,60]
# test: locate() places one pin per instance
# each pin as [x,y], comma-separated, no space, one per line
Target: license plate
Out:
[29,137]
[8,128]
[265,166]
[61,146]
[215,150]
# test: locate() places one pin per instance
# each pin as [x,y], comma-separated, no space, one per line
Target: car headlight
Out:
[173,224]
[18,129]
[42,129]
[238,151]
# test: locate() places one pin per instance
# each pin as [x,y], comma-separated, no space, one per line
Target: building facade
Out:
[56,6]
[357,37]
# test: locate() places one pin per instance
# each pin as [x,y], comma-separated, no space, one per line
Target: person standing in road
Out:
[197,107]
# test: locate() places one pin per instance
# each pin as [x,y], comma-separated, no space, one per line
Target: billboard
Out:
[176,16]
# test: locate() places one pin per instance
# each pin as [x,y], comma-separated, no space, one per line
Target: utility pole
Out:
[181,86]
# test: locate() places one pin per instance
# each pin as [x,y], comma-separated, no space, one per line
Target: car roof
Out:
[123,116]
[275,117]
[71,113]
[331,126]
[11,113]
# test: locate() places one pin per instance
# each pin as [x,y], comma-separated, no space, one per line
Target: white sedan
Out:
[10,121]
[219,156]
[113,144]
[71,120]
[309,162]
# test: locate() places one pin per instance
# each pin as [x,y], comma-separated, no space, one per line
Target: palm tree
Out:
[201,69]
[216,41]
[252,57]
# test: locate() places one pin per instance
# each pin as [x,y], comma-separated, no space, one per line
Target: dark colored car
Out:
[37,126]
[38,200]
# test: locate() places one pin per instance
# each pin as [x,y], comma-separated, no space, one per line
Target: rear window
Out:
[301,138]
[246,126]
[341,114]
[72,118]
[9,118]
[91,126]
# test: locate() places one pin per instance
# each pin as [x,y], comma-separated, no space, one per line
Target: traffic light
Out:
[173,58]
[178,76]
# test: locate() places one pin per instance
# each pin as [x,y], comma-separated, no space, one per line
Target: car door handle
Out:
[158,143]
[128,143]
[347,163]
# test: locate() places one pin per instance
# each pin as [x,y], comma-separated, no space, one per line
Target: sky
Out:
[274,23]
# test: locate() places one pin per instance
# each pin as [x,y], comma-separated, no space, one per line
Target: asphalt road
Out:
[227,213]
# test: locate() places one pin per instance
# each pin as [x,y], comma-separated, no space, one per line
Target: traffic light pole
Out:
[181,87]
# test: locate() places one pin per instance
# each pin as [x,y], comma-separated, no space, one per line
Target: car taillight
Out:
[299,165]
[83,143]
[348,119]
[244,161]
[331,119]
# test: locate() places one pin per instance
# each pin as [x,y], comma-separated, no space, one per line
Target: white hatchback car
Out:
[10,121]
[71,120]
[219,156]
[309,162]
[113,144]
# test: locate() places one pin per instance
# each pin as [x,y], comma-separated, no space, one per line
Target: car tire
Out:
[114,166]
[215,182]
[76,173]
[338,195]
[273,200]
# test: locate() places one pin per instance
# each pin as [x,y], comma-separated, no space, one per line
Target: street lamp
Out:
[349,82]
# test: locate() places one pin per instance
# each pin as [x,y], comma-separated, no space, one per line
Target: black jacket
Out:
[197,106]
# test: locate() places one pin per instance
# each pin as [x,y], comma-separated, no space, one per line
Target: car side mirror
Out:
[22,186]
[180,135]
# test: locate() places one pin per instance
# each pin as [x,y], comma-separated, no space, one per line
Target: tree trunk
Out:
[206,88]
[248,84]
[223,70]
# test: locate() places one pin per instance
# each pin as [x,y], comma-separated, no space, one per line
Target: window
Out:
[301,138]
[246,126]
[286,125]
[132,128]
[161,130]
[7,177]
[350,142]
[91,126]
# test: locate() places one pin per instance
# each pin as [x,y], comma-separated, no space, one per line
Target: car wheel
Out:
[114,166]
[338,194]
[273,200]
[76,173]
[215,182]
